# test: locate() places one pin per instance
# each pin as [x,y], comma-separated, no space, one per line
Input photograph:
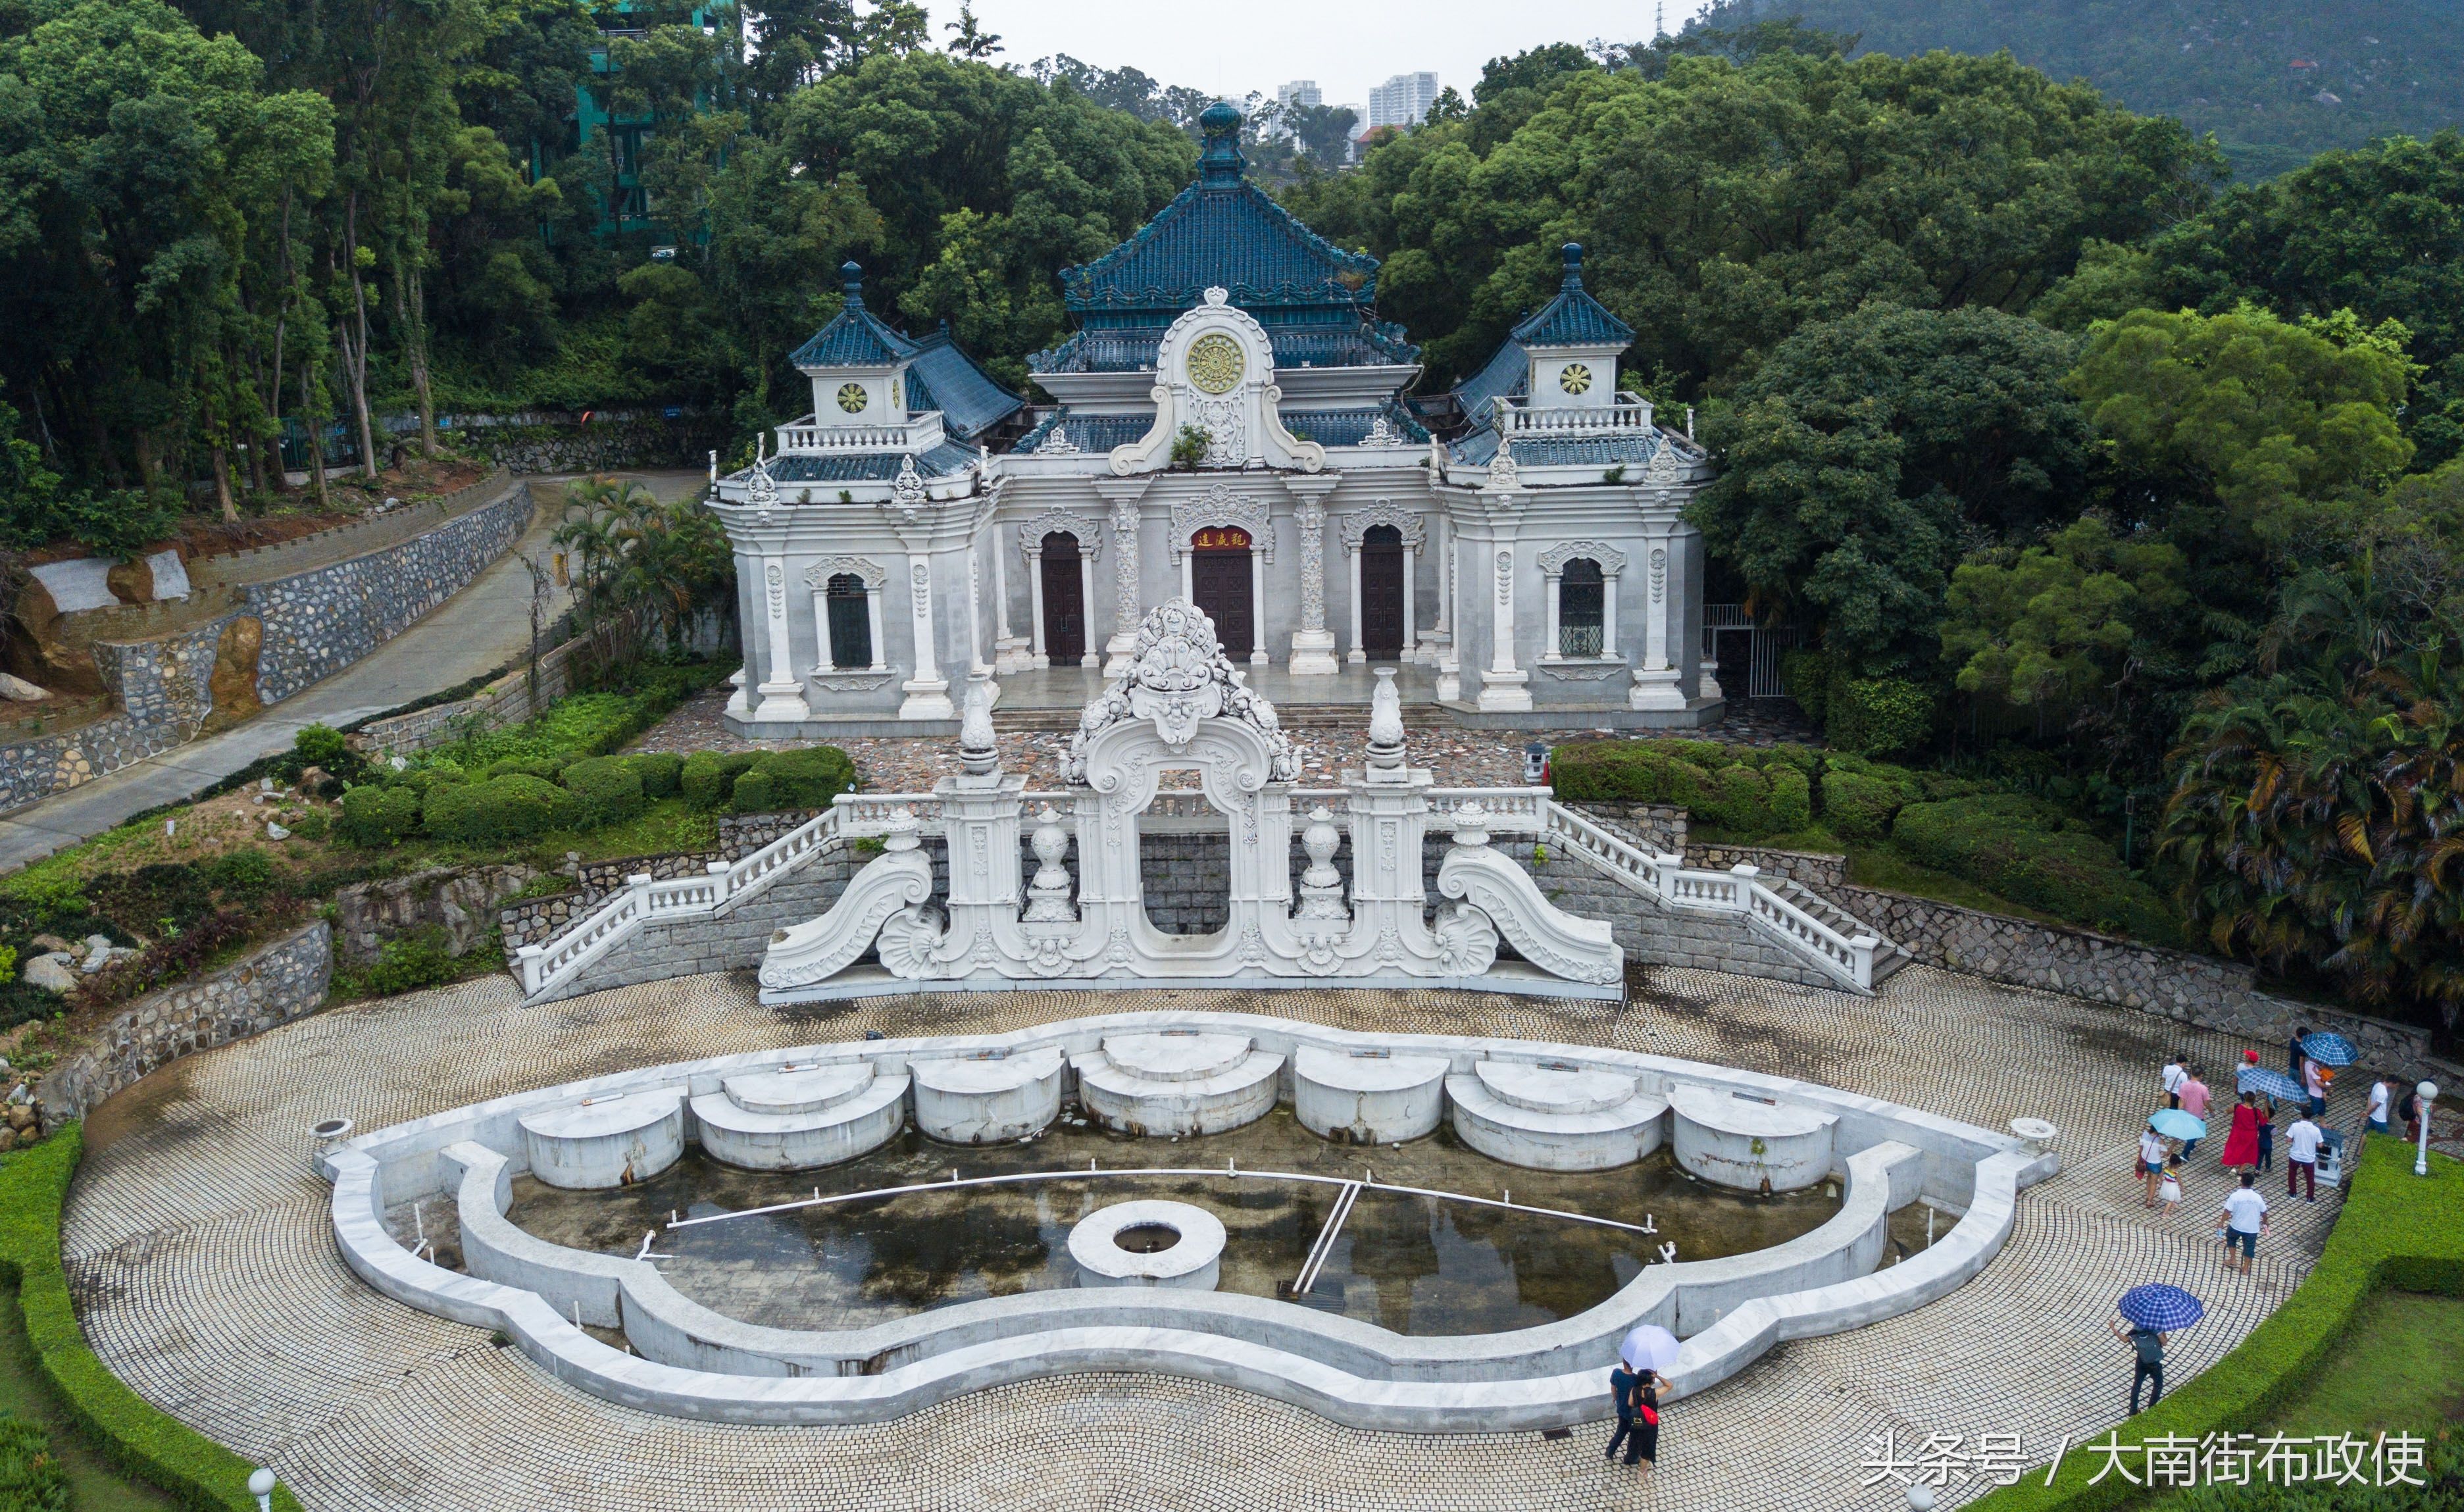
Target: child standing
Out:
[2267,1136]
[2168,1193]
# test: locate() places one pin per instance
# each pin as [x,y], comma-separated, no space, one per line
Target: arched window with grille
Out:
[1581,608]
[851,622]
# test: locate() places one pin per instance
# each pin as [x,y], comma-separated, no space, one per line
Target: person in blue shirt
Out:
[1637,1395]
[1622,1382]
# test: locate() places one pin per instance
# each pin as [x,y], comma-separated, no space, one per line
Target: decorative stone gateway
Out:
[1183,708]
[1112,1251]
[1740,1140]
[689,1361]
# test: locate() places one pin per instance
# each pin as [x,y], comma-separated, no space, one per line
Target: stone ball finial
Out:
[1471,824]
[1219,119]
[1573,252]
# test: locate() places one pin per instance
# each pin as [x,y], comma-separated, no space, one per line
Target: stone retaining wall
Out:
[293,631]
[1822,873]
[1654,935]
[275,986]
[459,900]
[599,447]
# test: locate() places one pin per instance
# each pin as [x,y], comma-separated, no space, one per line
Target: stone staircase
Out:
[1888,958]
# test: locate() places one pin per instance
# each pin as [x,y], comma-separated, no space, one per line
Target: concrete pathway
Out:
[479,630]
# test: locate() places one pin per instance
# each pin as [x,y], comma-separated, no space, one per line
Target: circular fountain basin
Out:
[607,1141]
[1745,1142]
[799,1120]
[1368,1097]
[985,1099]
[1555,1117]
[1177,1082]
[1149,1243]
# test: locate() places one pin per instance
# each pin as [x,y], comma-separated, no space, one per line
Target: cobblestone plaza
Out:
[203,1258]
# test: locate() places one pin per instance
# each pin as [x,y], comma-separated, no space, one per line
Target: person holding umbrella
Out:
[1646,1351]
[2155,1314]
[2152,1160]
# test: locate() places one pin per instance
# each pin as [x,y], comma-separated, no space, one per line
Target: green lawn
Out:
[1879,866]
[2400,1368]
[92,1485]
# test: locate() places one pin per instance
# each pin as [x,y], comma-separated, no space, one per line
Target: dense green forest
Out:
[2074,462]
[2277,81]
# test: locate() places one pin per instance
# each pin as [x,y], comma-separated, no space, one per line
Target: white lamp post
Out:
[260,1485]
[2427,1093]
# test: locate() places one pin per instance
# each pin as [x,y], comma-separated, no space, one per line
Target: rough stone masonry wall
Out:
[275,986]
[167,686]
[318,621]
[1657,936]
[2200,990]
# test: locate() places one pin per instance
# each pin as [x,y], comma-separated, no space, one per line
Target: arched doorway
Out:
[1065,601]
[850,621]
[1219,583]
[1381,593]
[1582,604]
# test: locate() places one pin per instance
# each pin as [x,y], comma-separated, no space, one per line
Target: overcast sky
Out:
[1231,46]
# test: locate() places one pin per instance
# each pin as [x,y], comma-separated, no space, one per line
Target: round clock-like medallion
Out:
[1574,378]
[852,398]
[1215,363]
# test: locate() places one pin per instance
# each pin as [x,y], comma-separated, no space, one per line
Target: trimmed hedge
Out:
[2397,1230]
[498,810]
[2028,851]
[662,774]
[1743,790]
[138,1437]
[379,816]
[709,777]
[606,790]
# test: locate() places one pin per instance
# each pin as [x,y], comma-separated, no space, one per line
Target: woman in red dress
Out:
[2241,1143]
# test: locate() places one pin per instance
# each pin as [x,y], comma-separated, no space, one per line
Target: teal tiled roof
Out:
[944,461]
[944,378]
[1574,319]
[854,338]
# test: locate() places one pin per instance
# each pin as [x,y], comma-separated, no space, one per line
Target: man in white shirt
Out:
[2177,1071]
[2243,1220]
[2380,1096]
[2302,1144]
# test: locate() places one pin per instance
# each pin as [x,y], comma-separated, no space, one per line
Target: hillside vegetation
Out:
[2277,81]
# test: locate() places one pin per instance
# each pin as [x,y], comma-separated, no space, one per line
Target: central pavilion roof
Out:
[1315,299]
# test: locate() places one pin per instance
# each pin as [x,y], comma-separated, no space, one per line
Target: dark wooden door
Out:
[1219,578]
[1381,593]
[1065,602]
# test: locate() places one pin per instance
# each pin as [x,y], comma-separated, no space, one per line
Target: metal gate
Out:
[1763,646]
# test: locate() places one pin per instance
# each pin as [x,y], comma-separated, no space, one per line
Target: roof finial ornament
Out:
[1573,251]
[852,279]
[1219,157]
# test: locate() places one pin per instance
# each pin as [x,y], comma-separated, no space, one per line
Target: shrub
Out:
[754,793]
[379,816]
[1807,678]
[245,872]
[661,772]
[1792,799]
[1737,798]
[1860,807]
[545,768]
[1878,715]
[809,778]
[1624,771]
[709,776]
[605,790]
[31,1477]
[410,963]
[2017,847]
[310,825]
[320,746]
[497,811]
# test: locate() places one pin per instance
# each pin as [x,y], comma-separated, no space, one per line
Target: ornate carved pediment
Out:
[1220,505]
[1612,561]
[1352,526]
[818,576]
[1067,522]
[1670,466]
[1179,678]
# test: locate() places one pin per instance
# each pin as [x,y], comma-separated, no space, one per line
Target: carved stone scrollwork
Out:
[910,939]
[1352,526]
[1466,940]
[1552,562]
[818,576]
[1178,676]
[1658,574]
[1219,506]
[1063,522]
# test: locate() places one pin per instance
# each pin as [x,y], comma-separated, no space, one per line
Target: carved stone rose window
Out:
[1574,378]
[852,398]
[1215,363]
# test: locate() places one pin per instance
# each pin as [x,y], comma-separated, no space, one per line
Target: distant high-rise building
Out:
[1402,100]
[1300,92]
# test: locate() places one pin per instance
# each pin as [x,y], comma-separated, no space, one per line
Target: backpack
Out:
[2152,1347]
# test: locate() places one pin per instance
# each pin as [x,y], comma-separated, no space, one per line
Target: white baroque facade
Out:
[1231,431]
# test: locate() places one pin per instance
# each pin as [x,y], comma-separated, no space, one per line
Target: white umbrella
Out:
[1650,1347]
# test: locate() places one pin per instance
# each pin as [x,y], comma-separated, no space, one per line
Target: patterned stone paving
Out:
[198,1243]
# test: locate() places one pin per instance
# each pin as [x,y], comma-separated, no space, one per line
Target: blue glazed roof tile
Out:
[855,336]
[1095,434]
[1505,377]
[944,461]
[944,378]
[1574,319]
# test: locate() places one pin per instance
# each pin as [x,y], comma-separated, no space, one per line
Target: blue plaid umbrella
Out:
[2163,1308]
[2174,1124]
[2329,1049]
[2269,1082]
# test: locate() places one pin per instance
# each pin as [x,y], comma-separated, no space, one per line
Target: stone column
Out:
[1087,600]
[1312,644]
[873,613]
[1352,555]
[1410,652]
[782,692]
[928,692]
[1123,495]
[1258,603]
[1504,688]
[1608,614]
[1035,604]
[1552,634]
[1011,651]
[829,658]
[974,617]
[1441,633]
[1655,681]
